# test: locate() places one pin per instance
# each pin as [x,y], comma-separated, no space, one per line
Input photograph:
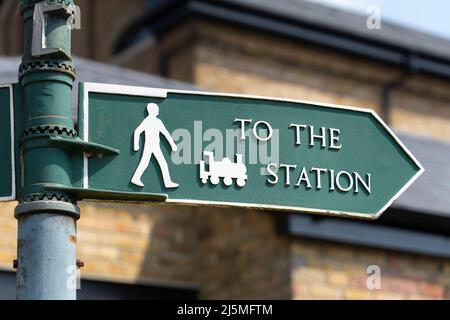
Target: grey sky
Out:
[425,15]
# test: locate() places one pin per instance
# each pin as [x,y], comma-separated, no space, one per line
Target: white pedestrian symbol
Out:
[152,126]
[226,169]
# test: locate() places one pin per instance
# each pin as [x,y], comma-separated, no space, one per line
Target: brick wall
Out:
[255,63]
[233,254]
[226,253]
[148,244]
[322,270]
[220,57]
[8,236]
[138,243]
[242,256]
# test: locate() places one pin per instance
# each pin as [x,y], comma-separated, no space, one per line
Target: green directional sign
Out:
[7,167]
[218,149]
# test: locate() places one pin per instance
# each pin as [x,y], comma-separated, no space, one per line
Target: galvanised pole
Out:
[46,220]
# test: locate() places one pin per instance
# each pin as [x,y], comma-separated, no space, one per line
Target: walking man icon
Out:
[152,127]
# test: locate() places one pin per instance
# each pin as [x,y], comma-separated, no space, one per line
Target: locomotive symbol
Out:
[222,169]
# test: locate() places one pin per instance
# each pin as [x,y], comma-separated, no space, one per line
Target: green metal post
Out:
[46,220]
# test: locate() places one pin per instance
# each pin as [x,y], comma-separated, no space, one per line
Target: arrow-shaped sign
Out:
[254,152]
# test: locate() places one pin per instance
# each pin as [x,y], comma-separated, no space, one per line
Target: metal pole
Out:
[46,259]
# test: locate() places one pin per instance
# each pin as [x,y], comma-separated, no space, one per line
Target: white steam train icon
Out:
[214,170]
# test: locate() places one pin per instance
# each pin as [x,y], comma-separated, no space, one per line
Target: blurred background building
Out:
[291,49]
